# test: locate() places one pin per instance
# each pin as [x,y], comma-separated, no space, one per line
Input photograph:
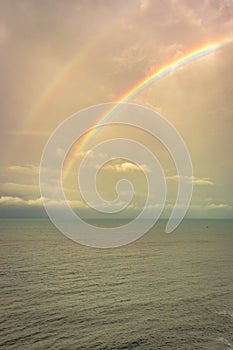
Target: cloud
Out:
[38,202]
[91,154]
[218,206]
[127,167]
[128,42]
[202,181]
[8,200]
[195,180]
[20,189]
[23,169]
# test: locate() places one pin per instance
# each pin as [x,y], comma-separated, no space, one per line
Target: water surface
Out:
[161,292]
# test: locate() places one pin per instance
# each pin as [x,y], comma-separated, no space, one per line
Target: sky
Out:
[60,56]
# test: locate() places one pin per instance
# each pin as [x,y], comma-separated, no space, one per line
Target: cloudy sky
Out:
[59,56]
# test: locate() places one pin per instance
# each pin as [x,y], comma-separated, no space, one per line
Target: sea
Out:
[164,291]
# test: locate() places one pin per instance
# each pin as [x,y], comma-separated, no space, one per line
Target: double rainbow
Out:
[163,71]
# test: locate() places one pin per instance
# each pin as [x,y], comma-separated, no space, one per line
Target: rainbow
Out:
[72,64]
[63,75]
[163,71]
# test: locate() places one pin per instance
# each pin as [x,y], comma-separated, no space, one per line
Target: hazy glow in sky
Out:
[60,56]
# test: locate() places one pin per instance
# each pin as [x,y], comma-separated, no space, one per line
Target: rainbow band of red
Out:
[63,75]
[161,72]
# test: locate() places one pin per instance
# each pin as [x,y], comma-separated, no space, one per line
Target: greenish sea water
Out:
[161,292]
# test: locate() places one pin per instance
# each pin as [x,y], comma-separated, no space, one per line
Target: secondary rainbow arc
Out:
[161,72]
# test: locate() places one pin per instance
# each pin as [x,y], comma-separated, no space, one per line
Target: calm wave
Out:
[161,292]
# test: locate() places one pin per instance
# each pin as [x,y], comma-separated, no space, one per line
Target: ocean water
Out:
[160,292]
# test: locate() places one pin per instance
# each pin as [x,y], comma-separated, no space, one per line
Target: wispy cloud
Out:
[23,169]
[218,206]
[38,202]
[195,180]
[202,181]
[91,154]
[9,200]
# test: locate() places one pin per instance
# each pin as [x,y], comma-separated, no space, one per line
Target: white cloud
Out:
[18,201]
[195,180]
[23,169]
[126,167]
[8,200]
[81,154]
[202,181]
[91,154]
[218,206]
